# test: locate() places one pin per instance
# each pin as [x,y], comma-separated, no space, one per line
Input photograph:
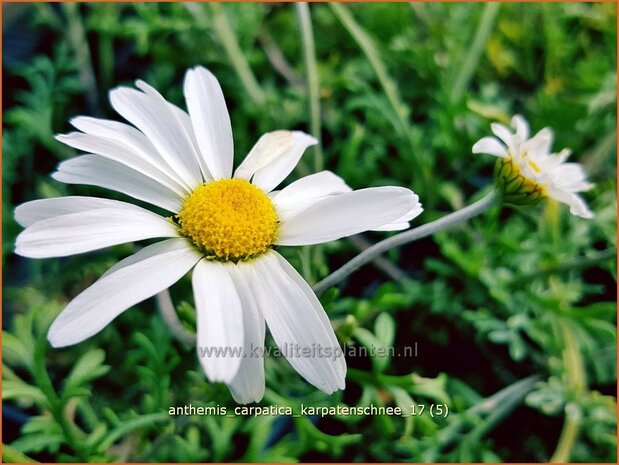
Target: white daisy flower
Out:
[222,225]
[527,170]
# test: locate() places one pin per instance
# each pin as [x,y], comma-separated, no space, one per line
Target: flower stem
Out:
[372,54]
[471,60]
[168,312]
[571,265]
[569,433]
[405,237]
[577,383]
[313,87]
[493,409]
[56,405]
[77,39]
[401,110]
[232,48]
[12,455]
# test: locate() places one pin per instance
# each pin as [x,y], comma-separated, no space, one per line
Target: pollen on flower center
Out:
[229,219]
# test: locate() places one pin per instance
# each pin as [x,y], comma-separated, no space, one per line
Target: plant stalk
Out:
[313,86]
[406,237]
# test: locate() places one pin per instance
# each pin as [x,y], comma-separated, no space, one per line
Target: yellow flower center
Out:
[229,219]
[534,166]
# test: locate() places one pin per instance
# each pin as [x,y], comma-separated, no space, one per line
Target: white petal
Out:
[210,120]
[402,223]
[154,269]
[504,134]
[29,213]
[539,144]
[307,191]
[85,231]
[577,205]
[152,115]
[571,177]
[297,321]
[128,137]
[393,227]
[273,158]
[220,320]
[491,146]
[248,384]
[548,163]
[347,214]
[94,170]
[521,126]
[114,151]
[184,120]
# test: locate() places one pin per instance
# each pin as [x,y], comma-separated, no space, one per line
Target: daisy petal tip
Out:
[502,131]
[244,399]
[199,69]
[119,93]
[216,375]
[582,213]
[200,72]
[331,388]
[142,85]
[303,137]
[55,337]
[19,246]
[490,146]
[54,341]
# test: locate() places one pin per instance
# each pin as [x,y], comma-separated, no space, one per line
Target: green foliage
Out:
[511,317]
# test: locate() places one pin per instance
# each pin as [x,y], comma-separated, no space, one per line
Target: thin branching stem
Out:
[226,35]
[493,409]
[313,83]
[390,89]
[474,53]
[406,237]
[77,39]
[371,53]
[56,404]
[168,312]
[278,60]
[12,455]
[576,382]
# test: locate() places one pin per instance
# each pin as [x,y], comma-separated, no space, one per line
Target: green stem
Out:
[12,455]
[369,49]
[169,315]
[406,237]
[471,59]
[278,60]
[402,125]
[386,266]
[576,382]
[577,263]
[494,408]
[231,47]
[313,87]
[106,44]
[77,39]
[569,434]
[56,405]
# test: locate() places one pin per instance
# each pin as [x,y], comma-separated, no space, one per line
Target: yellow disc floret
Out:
[229,219]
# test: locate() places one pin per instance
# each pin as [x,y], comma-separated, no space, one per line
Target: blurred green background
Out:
[513,313]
